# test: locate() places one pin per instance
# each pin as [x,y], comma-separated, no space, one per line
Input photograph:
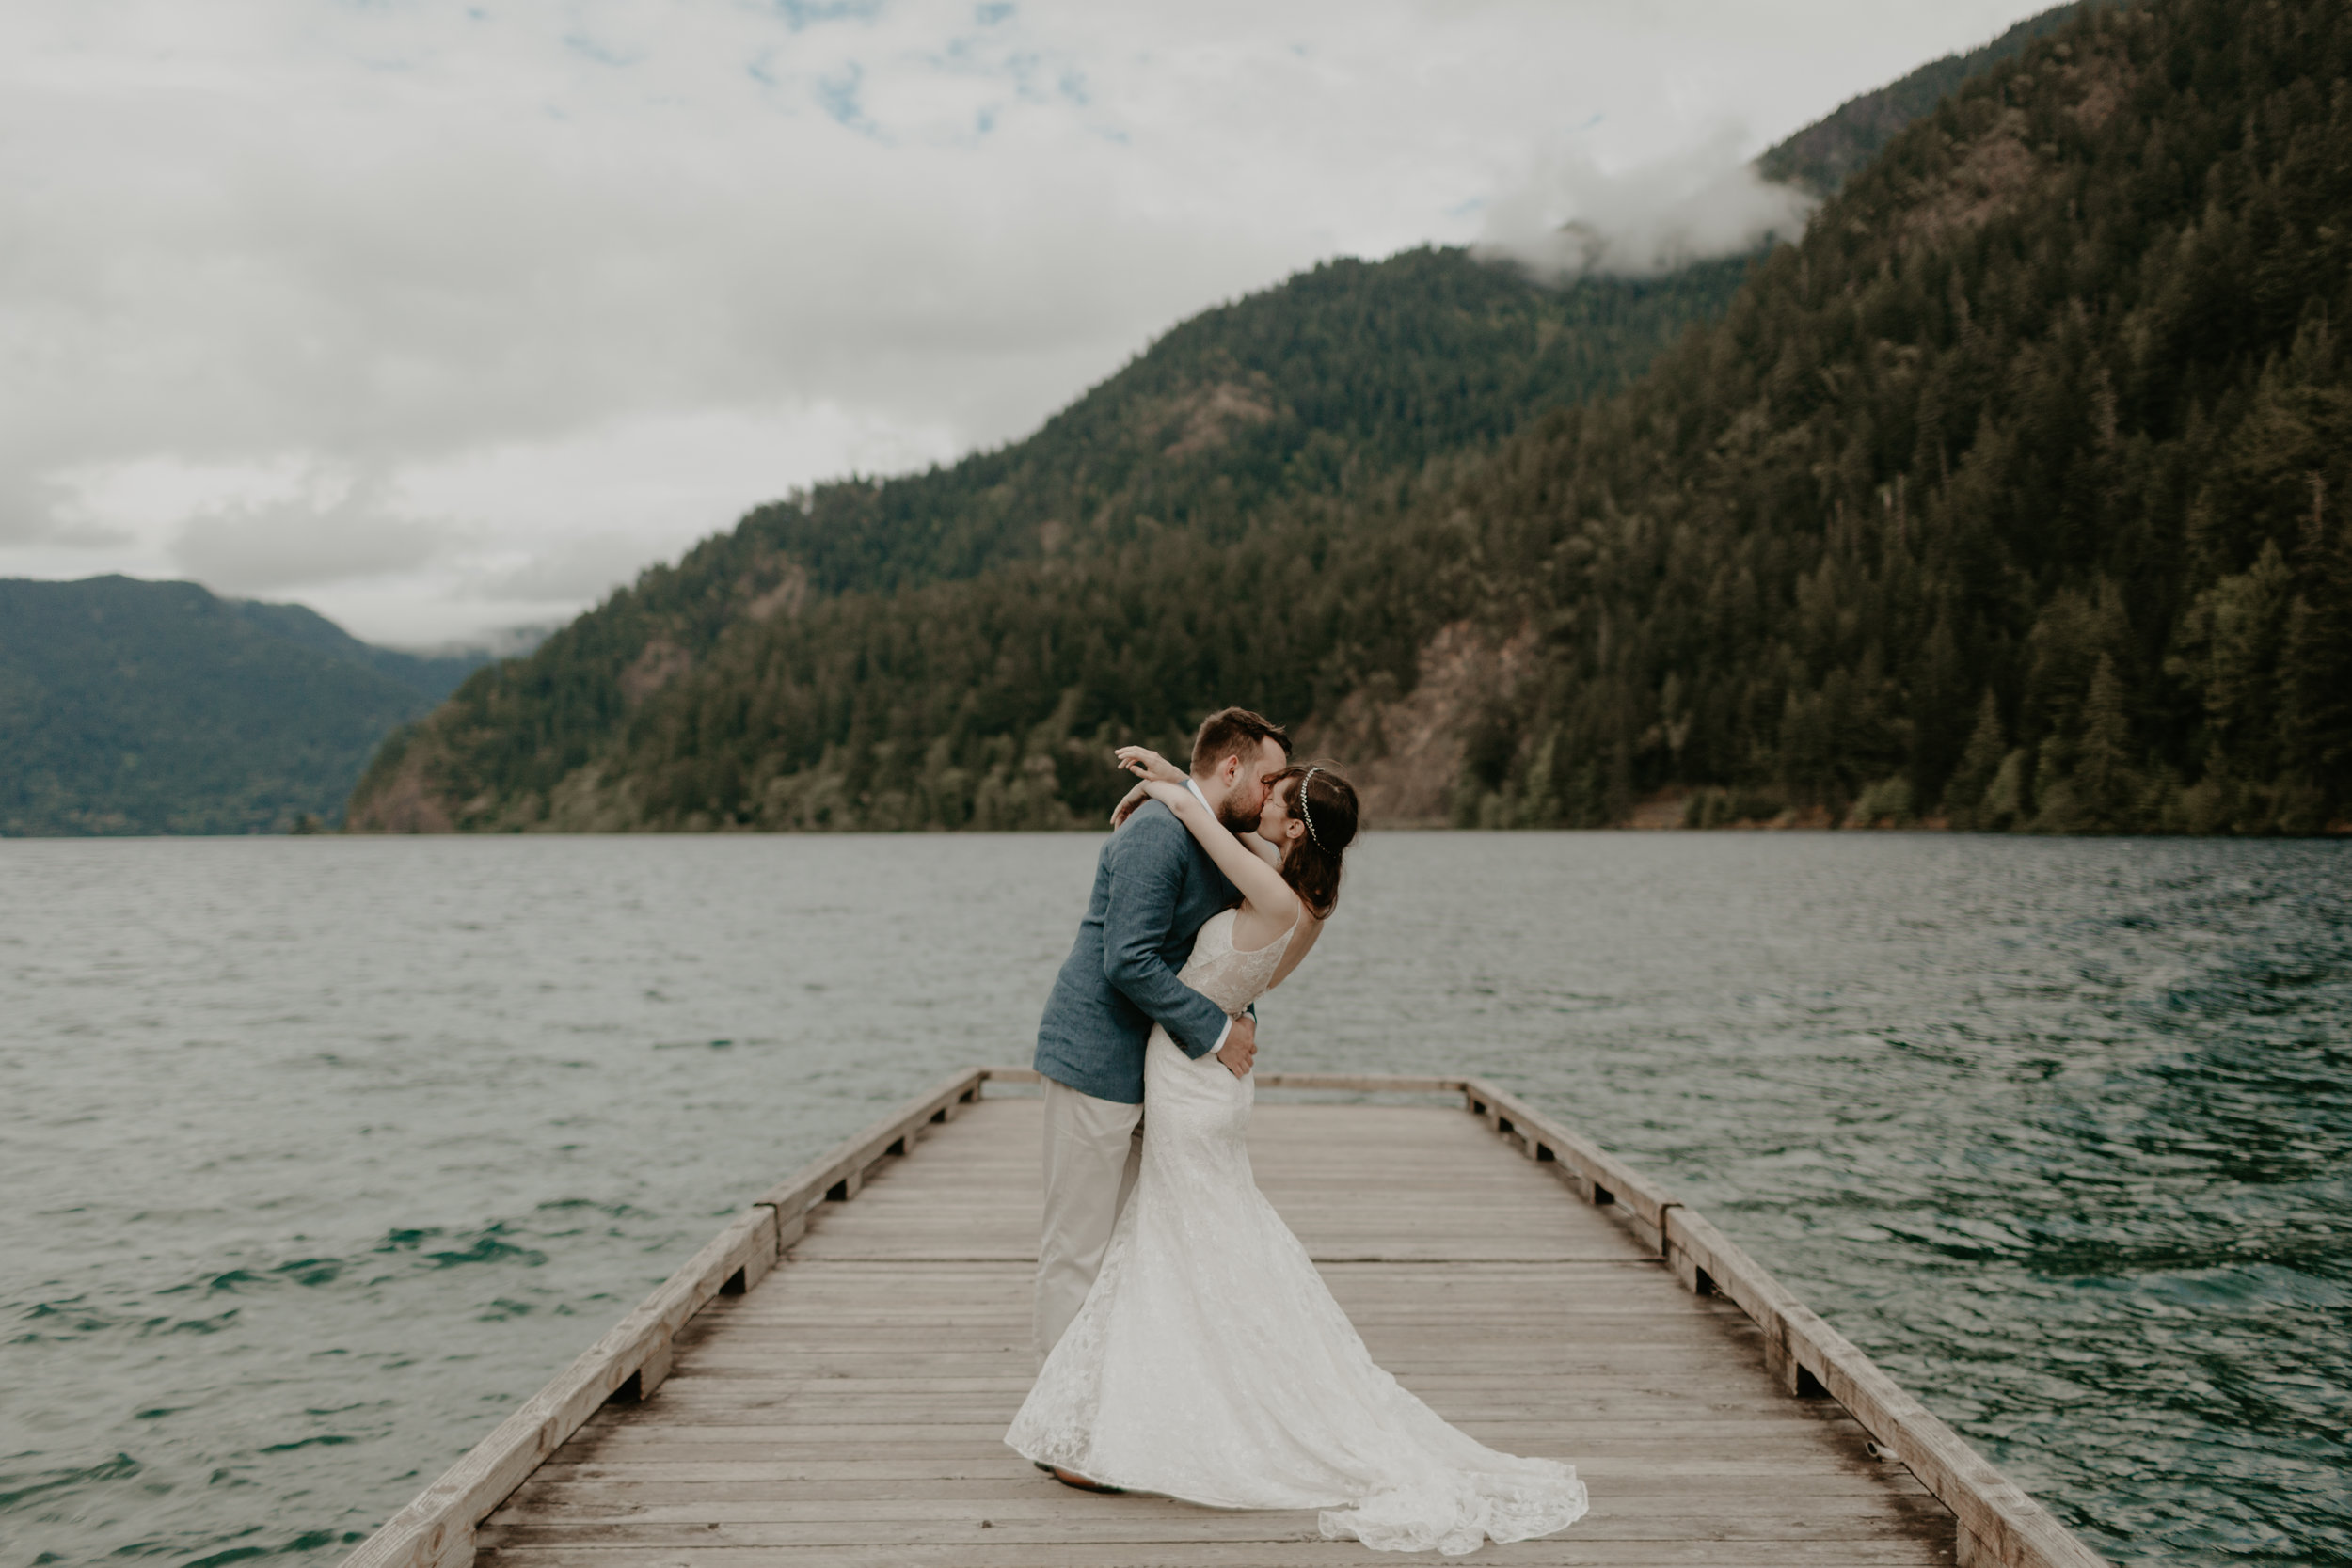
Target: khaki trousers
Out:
[1093,1149]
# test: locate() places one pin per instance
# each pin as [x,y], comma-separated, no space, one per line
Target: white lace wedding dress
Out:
[1210,1364]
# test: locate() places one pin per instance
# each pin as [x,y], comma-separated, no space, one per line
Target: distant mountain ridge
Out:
[433,676]
[129,706]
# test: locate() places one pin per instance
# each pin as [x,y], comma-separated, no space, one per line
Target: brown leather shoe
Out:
[1071,1478]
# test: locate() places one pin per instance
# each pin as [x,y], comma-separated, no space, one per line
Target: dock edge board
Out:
[1997,1522]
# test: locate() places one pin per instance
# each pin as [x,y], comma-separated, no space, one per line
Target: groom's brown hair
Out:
[1234,732]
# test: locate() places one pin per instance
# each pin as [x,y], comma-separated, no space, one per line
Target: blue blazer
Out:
[1154,887]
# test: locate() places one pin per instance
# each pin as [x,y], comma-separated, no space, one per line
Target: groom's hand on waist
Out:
[1241,1046]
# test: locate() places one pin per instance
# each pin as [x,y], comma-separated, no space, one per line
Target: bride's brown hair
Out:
[1324,804]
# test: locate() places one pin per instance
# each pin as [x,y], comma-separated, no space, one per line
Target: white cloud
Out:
[443,312]
[332,532]
[1572,216]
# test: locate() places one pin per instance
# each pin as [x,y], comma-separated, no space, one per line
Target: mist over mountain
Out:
[433,676]
[2007,498]
[1570,218]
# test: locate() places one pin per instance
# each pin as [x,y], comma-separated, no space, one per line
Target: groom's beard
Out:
[1236,823]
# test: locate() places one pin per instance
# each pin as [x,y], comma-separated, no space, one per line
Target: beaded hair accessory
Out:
[1304,815]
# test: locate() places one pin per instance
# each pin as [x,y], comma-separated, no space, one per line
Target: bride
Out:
[1210,1362]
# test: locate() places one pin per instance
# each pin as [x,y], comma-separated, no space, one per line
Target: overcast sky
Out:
[447,317]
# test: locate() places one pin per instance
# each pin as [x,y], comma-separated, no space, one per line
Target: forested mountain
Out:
[2014,492]
[151,707]
[2011,495]
[1309,410]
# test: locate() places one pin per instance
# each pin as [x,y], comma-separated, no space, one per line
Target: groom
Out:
[1154,888]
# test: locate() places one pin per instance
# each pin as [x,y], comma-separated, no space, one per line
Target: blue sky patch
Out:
[837,95]
[588,48]
[800,14]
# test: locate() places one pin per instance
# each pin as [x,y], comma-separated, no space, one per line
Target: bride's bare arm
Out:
[1144,762]
[1259,884]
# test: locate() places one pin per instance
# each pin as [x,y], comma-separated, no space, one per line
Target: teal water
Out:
[319,1155]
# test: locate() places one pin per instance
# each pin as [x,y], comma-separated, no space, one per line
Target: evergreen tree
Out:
[1988,744]
[2316,726]
[2103,779]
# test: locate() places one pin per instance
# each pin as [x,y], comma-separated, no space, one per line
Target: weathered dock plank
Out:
[794,1427]
[848,1408]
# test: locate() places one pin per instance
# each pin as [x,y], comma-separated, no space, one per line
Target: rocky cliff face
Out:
[1406,750]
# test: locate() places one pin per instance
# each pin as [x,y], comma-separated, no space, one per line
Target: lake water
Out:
[319,1155]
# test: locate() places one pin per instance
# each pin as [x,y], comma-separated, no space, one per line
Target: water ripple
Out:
[323,1155]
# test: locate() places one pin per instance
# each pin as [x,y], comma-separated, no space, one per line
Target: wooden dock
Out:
[830,1381]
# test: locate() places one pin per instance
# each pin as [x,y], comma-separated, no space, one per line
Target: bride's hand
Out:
[1144,763]
[1149,789]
